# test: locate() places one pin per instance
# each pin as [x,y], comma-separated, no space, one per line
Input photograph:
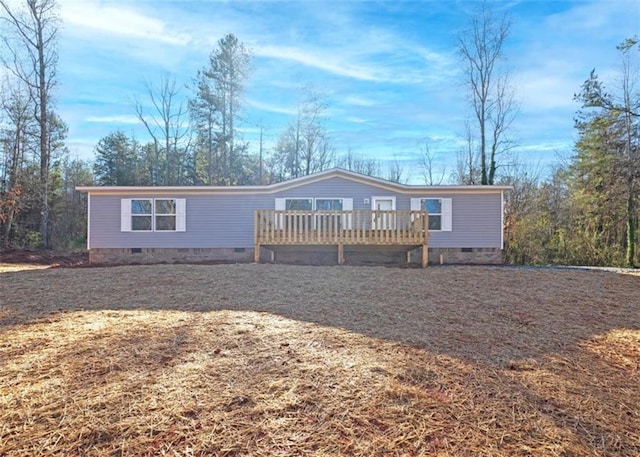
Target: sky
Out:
[387,70]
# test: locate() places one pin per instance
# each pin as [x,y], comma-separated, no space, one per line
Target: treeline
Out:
[200,143]
[588,212]
[585,213]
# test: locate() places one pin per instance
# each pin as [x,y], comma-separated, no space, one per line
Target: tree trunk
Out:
[44,146]
[631,227]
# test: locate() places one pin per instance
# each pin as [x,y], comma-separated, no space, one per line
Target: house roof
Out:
[292,183]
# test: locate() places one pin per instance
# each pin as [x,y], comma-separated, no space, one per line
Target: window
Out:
[153,215]
[298,204]
[325,204]
[165,215]
[328,220]
[439,209]
[141,215]
[301,221]
[434,207]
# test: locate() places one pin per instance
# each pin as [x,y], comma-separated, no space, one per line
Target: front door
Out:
[382,216]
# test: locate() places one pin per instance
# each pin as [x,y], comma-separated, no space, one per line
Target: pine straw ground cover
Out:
[274,360]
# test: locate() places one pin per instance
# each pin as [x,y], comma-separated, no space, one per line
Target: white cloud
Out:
[358,101]
[357,120]
[547,147]
[271,108]
[114,119]
[326,62]
[120,21]
[541,90]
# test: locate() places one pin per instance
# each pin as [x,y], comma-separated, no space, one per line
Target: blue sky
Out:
[388,69]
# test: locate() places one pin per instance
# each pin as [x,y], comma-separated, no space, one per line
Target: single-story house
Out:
[334,216]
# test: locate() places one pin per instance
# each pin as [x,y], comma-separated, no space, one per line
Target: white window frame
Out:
[422,205]
[346,223]
[446,211]
[126,216]
[146,215]
[315,203]
[301,199]
[281,205]
[156,214]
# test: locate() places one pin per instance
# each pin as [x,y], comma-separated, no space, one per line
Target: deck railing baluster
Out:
[364,227]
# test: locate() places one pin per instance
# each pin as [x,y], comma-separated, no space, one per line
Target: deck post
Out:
[256,232]
[409,257]
[425,255]
[340,254]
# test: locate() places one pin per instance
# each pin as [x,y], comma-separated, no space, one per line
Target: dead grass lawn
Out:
[274,360]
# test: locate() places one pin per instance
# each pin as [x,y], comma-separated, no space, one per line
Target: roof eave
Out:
[271,188]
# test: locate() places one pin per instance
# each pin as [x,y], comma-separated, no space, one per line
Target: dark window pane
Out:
[165,222]
[141,223]
[298,204]
[432,205]
[140,206]
[165,207]
[435,222]
[329,205]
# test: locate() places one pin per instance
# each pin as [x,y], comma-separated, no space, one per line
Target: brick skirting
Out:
[305,255]
[483,256]
[170,255]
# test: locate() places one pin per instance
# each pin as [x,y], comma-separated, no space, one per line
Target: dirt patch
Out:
[268,360]
[41,258]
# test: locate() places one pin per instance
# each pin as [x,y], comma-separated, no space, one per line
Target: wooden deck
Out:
[340,228]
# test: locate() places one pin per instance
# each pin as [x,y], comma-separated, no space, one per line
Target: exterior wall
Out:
[225,219]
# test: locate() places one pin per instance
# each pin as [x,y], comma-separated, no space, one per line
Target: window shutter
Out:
[447,215]
[181,215]
[347,205]
[125,215]
[281,205]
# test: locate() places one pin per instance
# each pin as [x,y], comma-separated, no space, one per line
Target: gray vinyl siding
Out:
[226,220]
[212,221]
[477,222]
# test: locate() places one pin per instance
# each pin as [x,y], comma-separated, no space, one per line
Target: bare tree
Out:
[427,159]
[492,101]
[396,172]
[168,128]
[359,164]
[31,56]
[16,134]
[311,118]
[303,147]
[467,167]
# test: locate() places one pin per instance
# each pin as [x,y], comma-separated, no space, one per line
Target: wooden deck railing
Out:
[358,227]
